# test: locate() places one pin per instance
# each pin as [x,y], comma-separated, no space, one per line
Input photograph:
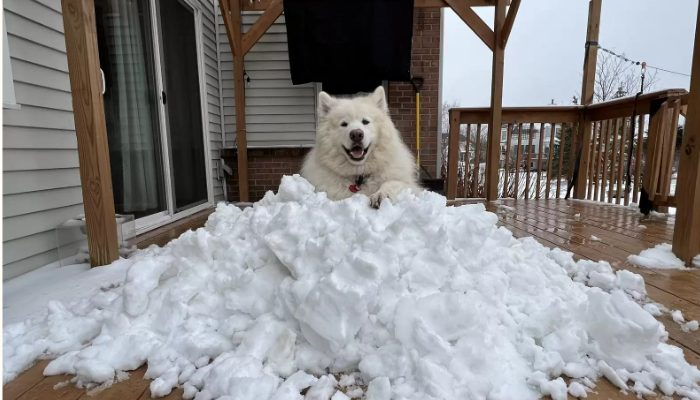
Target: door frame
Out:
[170,215]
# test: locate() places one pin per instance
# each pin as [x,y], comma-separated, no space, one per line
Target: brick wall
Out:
[425,63]
[266,166]
[265,169]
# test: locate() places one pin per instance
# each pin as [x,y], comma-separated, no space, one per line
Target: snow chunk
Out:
[660,256]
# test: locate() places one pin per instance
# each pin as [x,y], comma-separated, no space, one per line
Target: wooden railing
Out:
[615,162]
[540,147]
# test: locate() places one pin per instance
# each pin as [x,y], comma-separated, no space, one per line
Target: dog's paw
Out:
[375,200]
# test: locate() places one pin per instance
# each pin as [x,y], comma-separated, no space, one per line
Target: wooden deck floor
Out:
[555,223]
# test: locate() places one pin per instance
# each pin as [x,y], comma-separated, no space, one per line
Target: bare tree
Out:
[615,77]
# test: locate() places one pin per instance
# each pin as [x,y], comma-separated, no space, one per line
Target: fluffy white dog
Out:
[359,150]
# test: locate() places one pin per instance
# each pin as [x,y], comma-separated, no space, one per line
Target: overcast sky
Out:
[544,56]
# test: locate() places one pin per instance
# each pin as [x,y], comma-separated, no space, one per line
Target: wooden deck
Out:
[555,223]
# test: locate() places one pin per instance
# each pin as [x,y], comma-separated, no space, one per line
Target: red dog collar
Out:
[355,187]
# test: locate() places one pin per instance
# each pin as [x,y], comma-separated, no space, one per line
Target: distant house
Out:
[169,108]
[534,149]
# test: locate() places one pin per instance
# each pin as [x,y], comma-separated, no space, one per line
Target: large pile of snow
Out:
[418,300]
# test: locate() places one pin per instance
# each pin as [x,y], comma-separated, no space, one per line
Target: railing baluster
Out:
[453,154]
[529,160]
[638,157]
[575,132]
[624,143]
[591,162]
[466,164]
[518,160]
[506,168]
[540,148]
[673,114]
[613,161]
[477,167]
[599,159]
[549,160]
[562,154]
[604,166]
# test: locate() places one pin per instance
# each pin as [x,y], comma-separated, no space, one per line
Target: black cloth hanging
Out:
[349,46]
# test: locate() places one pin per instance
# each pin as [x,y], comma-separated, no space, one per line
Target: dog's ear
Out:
[325,103]
[379,98]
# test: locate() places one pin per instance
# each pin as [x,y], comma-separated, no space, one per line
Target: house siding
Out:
[41,176]
[41,185]
[278,114]
[213,92]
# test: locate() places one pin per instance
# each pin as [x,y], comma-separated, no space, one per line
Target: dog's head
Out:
[351,126]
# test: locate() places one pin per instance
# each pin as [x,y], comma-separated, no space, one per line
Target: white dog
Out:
[359,150]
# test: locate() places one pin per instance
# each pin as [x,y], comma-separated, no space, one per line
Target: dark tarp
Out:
[349,45]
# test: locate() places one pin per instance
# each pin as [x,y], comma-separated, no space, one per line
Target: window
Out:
[8,87]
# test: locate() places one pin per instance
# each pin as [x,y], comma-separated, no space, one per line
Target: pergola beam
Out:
[686,233]
[463,9]
[261,26]
[508,24]
[262,5]
[231,12]
[493,157]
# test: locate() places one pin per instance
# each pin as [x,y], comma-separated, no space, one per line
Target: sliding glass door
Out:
[149,56]
[131,106]
[183,104]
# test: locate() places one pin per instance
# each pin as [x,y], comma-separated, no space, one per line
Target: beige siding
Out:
[41,179]
[278,113]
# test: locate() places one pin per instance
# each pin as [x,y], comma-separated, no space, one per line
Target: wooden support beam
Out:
[453,155]
[493,156]
[686,234]
[91,129]
[589,64]
[262,5]
[261,26]
[482,30]
[508,24]
[231,12]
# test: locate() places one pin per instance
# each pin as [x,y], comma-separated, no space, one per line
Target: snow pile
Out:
[414,301]
[660,256]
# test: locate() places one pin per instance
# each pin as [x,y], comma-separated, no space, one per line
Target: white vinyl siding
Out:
[41,185]
[213,96]
[277,112]
[41,176]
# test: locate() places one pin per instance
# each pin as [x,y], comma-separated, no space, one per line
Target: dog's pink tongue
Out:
[357,153]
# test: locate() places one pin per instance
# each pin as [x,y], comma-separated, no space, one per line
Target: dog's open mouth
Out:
[356,152]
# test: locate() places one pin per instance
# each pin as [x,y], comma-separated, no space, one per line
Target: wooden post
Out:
[91,129]
[589,66]
[453,155]
[686,234]
[493,156]
[231,11]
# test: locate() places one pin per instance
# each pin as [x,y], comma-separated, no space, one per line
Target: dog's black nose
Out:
[356,135]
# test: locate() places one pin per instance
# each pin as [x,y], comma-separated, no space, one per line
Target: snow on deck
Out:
[418,300]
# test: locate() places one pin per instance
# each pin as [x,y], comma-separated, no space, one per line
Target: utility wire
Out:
[623,57]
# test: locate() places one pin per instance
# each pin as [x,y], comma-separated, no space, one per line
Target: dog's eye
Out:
[343,124]
[365,121]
